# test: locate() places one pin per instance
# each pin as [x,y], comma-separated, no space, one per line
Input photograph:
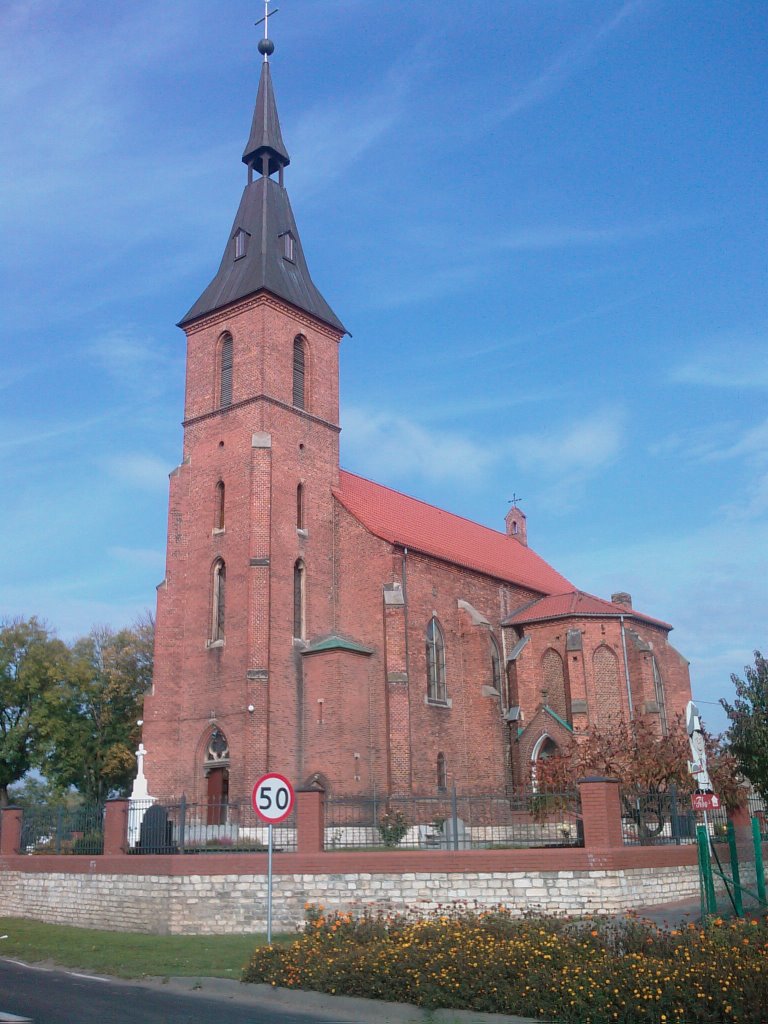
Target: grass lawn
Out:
[128,954]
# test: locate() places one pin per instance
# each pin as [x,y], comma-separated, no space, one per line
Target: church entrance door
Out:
[218,796]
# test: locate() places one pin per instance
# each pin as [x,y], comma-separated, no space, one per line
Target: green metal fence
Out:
[63,830]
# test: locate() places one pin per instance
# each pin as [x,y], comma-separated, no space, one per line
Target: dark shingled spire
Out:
[266,138]
[264,251]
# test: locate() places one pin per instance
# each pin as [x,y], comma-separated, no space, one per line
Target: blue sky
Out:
[542,220]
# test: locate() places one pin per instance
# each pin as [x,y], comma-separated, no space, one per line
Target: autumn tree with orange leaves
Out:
[642,761]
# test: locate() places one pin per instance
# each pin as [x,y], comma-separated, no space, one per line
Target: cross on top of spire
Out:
[266,46]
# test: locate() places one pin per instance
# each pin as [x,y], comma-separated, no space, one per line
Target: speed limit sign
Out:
[273,798]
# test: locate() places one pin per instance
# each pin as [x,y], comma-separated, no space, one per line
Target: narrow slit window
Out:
[218,522]
[442,773]
[495,665]
[300,507]
[299,599]
[225,382]
[299,367]
[218,601]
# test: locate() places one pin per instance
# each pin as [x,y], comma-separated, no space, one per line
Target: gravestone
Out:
[156,834]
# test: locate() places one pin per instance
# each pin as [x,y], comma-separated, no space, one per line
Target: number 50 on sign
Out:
[273,798]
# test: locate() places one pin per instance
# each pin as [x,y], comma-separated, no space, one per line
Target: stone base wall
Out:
[200,904]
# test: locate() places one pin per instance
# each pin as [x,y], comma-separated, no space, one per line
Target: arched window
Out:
[442,772]
[299,599]
[218,519]
[435,648]
[495,664]
[553,690]
[300,507]
[299,366]
[218,602]
[225,372]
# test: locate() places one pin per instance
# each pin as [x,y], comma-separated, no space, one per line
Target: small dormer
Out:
[240,243]
[288,243]
[516,525]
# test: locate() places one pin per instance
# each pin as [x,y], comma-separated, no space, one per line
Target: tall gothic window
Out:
[299,366]
[658,685]
[435,648]
[218,602]
[225,372]
[218,519]
[495,665]
[300,507]
[299,598]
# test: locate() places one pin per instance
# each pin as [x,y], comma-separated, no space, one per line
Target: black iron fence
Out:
[63,830]
[209,827]
[454,821]
[665,817]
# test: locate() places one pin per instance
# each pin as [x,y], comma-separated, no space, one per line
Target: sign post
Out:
[272,801]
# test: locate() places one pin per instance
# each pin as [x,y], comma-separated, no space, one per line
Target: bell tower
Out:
[249,569]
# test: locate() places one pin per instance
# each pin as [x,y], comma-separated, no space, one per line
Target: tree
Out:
[748,715]
[92,730]
[643,761]
[32,662]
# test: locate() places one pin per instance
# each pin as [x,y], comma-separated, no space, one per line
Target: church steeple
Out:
[264,251]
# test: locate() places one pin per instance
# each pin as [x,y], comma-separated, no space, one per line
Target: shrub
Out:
[590,972]
[393,826]
[90,842]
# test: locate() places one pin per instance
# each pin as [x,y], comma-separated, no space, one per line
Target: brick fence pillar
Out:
[10,831]
[741,818]
[116,827]
[310,820]
[601,811]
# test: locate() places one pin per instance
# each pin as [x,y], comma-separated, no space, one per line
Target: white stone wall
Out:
[216,904]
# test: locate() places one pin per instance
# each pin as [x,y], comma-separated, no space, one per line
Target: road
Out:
[58,997]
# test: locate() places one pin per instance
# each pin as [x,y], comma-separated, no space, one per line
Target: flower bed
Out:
[590,972]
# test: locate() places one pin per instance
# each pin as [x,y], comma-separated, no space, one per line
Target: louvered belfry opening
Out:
[299,366]
[225,384]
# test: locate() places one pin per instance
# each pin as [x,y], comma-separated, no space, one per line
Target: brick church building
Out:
[319,624]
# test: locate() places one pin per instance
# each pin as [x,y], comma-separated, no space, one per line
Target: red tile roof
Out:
[575,604]
[413,524]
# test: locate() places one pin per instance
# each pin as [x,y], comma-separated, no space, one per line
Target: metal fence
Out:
[454,821]
[658,818]
[63,830]
[203,828]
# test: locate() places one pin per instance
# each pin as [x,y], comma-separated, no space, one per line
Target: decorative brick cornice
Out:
[262,299]
[261,398]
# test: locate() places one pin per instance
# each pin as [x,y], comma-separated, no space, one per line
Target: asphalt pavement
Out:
[48,995]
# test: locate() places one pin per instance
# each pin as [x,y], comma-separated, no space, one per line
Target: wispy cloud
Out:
[137,470]
[138,364]
[387,445]
[569,62]
[732,361]
[581,447]
[153,558]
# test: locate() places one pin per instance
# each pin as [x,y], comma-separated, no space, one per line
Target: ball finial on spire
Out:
[267,47]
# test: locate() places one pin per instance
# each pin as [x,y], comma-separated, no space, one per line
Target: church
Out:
[319,624]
